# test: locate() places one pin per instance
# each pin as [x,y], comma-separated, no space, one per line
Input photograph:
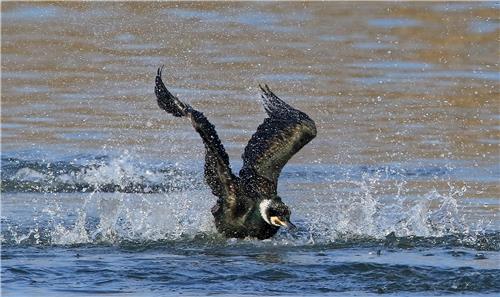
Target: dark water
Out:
[102,193]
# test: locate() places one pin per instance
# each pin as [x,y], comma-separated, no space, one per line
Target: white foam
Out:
[324,217]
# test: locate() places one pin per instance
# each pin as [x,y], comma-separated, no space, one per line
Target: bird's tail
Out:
[167,101]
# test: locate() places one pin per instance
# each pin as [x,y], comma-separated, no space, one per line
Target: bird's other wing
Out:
[276,140]
[218,174]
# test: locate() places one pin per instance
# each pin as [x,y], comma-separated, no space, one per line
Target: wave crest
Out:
[94,174]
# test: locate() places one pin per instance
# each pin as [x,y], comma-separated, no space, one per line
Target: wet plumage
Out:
[248,204]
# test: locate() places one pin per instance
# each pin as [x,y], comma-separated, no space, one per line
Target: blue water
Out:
[114,225]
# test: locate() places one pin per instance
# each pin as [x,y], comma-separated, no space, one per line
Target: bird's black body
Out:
[248,205]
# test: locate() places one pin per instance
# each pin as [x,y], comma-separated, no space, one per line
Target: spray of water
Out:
[183,212]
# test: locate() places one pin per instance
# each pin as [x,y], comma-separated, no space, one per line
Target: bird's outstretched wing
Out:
[166,100]
[282,134]
[218,174]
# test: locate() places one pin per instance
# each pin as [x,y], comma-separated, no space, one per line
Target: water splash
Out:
[179,207]
[91,174]
[361,213]
[114,219]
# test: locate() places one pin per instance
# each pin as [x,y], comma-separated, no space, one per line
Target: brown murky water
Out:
[411,86]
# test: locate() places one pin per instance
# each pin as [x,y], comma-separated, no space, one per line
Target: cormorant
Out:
[248,205]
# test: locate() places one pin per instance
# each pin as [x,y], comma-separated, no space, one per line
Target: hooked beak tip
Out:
[290,226]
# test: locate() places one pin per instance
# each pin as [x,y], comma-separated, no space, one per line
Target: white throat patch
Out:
[263,206]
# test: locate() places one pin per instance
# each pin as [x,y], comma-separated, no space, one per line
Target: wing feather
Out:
[276,140]
[218,174]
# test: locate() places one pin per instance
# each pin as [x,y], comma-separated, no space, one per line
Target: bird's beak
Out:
[290,225]
[283,222]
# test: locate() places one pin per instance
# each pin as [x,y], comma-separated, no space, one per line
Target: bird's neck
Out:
[263,207]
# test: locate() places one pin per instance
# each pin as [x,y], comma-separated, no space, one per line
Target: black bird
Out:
[248,205]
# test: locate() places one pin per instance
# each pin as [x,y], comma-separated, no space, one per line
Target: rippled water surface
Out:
[102,193]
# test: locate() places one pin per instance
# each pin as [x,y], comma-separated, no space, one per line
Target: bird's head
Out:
[275,213]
